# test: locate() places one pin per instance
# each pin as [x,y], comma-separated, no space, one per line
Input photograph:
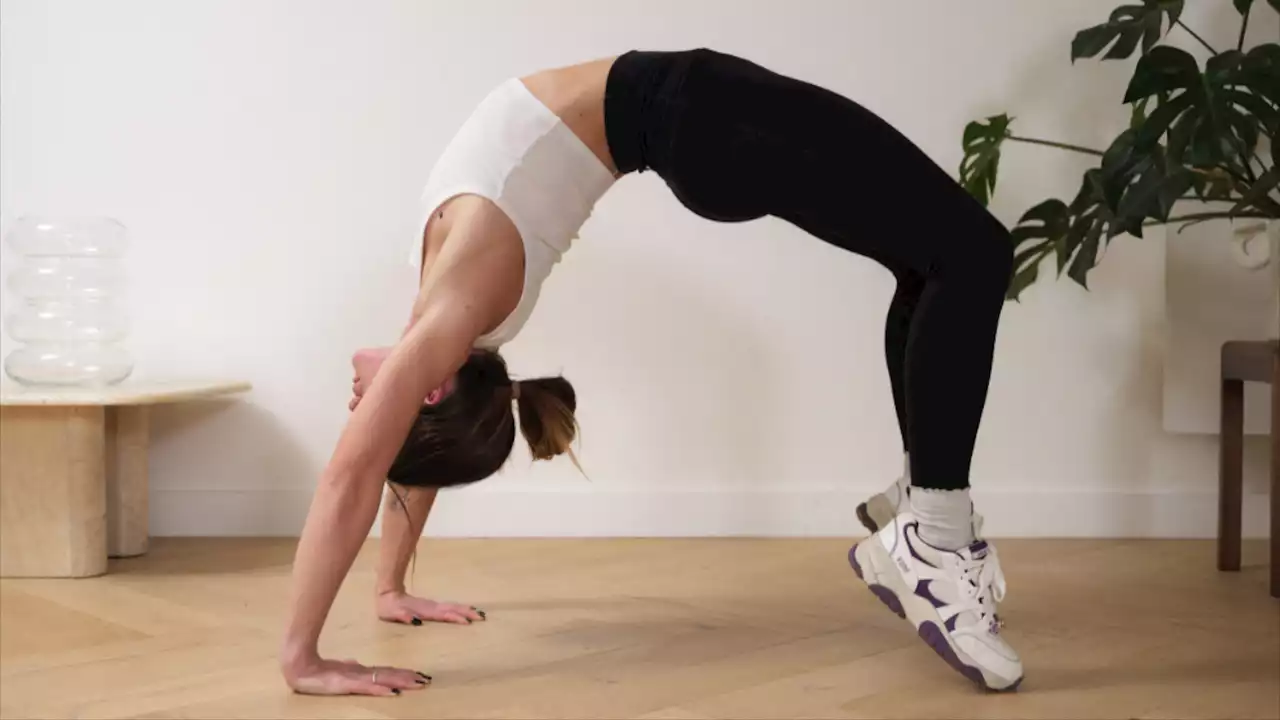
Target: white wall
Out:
[267,157]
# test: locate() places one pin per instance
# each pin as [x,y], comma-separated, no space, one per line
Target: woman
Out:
[734,142]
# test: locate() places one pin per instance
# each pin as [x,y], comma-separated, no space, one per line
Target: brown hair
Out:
[469,434]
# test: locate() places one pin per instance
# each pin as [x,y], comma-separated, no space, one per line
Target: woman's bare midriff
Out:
[576,95]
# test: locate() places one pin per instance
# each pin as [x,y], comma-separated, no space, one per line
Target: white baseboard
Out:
[814,513]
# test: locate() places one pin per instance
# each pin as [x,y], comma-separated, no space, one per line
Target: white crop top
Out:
[518,154]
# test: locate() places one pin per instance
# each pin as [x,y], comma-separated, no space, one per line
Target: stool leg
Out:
[52,495]
[127,437]
[1231,475]
[1275,478]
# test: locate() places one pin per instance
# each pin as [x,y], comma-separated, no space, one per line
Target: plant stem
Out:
[1244,26]
[1197,37]
[1060,146]
[1208,216]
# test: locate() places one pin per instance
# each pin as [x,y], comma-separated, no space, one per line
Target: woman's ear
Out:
[435,396]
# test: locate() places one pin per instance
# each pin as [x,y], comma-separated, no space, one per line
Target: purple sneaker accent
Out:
[885,594]
[936,640]
[888,598]
[978,550]
[922,589]
[951,623]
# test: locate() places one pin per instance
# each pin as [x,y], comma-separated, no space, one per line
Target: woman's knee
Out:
[983,254]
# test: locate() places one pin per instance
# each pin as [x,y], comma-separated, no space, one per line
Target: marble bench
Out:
[73,472]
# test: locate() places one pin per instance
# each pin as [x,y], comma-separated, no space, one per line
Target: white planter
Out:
[1222,283]
[1256,250]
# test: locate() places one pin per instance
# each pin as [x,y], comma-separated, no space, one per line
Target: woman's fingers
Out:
[446,612]
[401,679]
[349,677]
[355,686]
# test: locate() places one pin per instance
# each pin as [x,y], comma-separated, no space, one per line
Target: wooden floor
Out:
[651,629]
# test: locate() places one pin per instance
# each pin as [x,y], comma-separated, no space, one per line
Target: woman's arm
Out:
[473,287]
[401,529]
[346,499]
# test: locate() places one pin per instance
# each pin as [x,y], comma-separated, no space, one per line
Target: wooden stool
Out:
[73,473]
[1246,362]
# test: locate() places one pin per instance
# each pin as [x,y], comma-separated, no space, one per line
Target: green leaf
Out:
[1258,196]
[1022,279]
[1268,117]
[1163,69]
[1208,118]
[1242,6]
[1087,258]
[1157,124]
[1119,161]
[1046,220]
[1260,71]
[1139,116]
[1071,241]
[1128,26]
[1275,5]
[1092,218]
[1153,193]
[1034,237]
[981,164]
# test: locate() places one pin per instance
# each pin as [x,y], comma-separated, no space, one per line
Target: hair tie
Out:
[515,390]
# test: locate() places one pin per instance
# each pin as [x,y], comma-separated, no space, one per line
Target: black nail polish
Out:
[395,691]
[417,621]
[424,676]
[482,615]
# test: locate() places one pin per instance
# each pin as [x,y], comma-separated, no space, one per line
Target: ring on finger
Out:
[375,676]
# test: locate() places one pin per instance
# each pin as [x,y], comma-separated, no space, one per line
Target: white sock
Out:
[946,517]
[897,492]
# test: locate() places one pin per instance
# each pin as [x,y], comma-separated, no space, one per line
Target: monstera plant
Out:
[1200,134]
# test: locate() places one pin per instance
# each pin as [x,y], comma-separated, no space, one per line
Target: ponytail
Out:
[467,436]
[546,407]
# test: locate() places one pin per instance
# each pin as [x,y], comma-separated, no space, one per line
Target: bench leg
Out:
[127,436]
[1275,478]
[1231,475]
[52,492]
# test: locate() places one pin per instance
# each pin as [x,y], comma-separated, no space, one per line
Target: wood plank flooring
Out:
[660,629]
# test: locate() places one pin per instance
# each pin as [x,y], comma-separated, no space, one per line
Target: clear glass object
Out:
[67,302]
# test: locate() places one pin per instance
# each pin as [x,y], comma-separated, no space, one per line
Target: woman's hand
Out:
[402,607]
[316,676]
[366,364]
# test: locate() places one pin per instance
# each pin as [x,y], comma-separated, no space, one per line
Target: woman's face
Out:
[366,363]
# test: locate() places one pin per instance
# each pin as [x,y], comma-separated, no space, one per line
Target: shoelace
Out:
[983,583]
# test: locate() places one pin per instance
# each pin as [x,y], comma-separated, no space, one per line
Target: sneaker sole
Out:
[863,560]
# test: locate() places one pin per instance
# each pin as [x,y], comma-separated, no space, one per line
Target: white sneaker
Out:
[949,597]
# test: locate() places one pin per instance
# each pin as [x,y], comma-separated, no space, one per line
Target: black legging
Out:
[735,141]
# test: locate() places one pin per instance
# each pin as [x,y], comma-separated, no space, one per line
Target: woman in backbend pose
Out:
[734,142]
